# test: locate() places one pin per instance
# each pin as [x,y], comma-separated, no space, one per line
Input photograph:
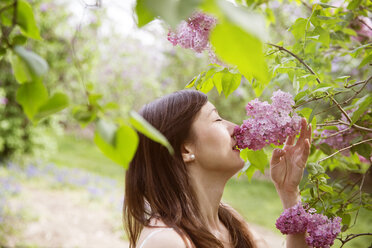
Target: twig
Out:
[306,5]
[314,99]
[350,237]
[345,148]
[336,133]
[365,24]
[360,197]
[357,83]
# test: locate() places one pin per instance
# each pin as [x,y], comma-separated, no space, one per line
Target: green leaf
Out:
[354,4]
[326,148]
[298,29]
[246,54]
[54,104]
[20,69]
[363,149]
[144,16]
[217,81]
[26,20]
[250,22]
[171,11]
[230,82]
[250,172]
[206,86]
[363,104]
[142,126]
[106,131]
[365,61]
[35,64]
[124,148]
[258,159]
[323,36]
[346,219]
[326,188]
[31,96]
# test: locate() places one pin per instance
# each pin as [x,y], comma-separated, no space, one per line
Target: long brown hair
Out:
[157,183]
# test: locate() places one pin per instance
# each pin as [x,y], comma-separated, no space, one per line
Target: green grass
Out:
[76,152]
[257,201]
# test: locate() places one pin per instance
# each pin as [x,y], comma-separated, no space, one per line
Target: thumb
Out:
[277,154]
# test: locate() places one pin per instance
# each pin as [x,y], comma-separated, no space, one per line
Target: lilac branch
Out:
[350,237]
[345,148]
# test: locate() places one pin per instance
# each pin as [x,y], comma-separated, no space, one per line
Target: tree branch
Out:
[350,237]
[345,148]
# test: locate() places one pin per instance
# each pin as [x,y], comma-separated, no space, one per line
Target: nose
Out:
[231,127]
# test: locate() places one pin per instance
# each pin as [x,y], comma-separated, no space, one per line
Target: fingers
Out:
[277,155]
[305,151]
[290,140]
[305,133]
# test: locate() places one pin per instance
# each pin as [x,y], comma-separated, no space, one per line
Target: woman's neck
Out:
[209,188]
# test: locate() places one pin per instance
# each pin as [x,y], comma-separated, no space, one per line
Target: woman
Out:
[174,201]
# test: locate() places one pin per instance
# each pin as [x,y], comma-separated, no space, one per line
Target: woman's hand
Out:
[287,165]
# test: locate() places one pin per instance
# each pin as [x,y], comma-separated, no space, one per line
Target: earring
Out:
[192,156]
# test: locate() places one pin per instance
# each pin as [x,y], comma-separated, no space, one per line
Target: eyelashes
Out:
[219,120]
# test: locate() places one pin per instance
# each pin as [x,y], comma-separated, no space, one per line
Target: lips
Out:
[235,147]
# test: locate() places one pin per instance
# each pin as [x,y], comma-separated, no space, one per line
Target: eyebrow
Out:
[212,111]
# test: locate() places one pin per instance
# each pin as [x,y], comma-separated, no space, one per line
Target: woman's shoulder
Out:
[157,234]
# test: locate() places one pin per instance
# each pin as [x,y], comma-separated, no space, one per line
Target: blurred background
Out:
[56,188]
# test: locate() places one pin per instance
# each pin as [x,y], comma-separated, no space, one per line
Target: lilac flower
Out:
[293,220]
[193,33]
[269,123]
[322,231]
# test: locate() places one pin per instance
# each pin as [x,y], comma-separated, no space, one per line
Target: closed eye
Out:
[219,120]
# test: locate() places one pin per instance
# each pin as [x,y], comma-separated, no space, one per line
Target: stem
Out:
[336,133]
[350,237]
[365,24]
[352,97]
[343,149]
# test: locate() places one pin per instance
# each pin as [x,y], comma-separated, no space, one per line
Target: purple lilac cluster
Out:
[321,231]
[269,123]
[193,33]
[293,220]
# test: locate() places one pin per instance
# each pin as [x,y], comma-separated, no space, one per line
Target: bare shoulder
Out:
[160,237]
[166,238]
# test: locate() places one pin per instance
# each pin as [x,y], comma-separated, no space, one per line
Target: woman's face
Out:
[213,142]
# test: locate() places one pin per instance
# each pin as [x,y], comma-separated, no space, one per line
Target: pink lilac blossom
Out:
[293,220]
[269,123]
[194,34]
[321,231]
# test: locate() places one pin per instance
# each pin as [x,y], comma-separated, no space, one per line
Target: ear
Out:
[187,153]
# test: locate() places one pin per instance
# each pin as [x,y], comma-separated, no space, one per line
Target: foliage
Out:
[325,55]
